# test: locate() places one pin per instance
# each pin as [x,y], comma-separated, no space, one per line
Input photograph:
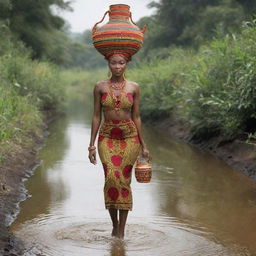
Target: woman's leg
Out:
[122,221]
[113,215]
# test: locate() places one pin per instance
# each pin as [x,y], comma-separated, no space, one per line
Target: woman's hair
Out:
[124,55]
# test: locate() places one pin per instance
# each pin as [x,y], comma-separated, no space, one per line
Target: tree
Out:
[248,5]
[33,22]
[189,22]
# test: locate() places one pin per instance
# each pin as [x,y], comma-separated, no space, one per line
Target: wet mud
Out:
[14,171]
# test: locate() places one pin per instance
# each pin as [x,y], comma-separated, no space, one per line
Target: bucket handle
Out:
[149,159]
[144,28]
[95,26]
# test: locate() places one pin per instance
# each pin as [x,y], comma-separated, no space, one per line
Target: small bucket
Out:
[143,170]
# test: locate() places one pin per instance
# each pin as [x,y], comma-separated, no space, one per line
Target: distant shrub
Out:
[18,118]
[161,83]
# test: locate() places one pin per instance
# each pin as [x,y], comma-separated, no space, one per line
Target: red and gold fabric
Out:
[118,146]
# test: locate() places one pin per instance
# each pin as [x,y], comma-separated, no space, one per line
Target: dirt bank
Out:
[17,167]
[237,153]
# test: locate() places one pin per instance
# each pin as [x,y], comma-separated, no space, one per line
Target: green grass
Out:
[28,89]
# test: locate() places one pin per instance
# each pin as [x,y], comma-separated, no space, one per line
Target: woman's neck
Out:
[117,79]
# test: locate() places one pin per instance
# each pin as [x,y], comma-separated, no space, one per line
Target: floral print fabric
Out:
[118,146]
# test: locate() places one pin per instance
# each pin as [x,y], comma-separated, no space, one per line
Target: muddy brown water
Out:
[194,205]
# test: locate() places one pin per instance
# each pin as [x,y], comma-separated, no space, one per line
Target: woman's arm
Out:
[96,120]
[136,119]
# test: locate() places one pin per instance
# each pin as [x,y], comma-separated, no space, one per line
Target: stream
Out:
[194,205]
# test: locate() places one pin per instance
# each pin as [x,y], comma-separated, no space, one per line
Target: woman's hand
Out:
[92,156]
[145,153]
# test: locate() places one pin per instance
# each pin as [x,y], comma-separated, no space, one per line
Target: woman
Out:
[120,138]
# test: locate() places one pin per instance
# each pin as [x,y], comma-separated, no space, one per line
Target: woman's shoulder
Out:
[101,84]
[133,84]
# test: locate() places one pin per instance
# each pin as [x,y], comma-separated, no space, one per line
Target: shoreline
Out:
[13,173]
[236,153]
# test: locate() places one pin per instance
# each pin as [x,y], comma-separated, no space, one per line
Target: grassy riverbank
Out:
[29,90]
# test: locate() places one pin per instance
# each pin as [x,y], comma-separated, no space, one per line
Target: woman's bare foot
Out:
[121,233]
[122,221]
[115,232]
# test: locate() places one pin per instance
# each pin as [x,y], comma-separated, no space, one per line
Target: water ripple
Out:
[58,236]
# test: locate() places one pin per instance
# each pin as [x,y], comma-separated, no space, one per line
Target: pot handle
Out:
[144,28]
[95,26]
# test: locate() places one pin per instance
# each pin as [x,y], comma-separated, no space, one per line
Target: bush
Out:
[214,88]
[18,118]
[161,83]
[27,88]
[222,92]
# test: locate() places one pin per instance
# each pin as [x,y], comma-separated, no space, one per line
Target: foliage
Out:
[160,82]
[84,56]
[222,85]
[213,88]
[38,81]
[191,23]
[82,53]
[82,81]
[34,23]
[26,88]
[17,116]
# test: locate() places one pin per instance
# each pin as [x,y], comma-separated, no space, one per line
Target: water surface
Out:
[195,204]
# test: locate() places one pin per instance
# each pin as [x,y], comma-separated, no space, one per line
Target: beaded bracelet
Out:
[90,148]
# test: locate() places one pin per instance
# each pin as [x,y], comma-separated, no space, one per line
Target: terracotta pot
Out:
[120,34]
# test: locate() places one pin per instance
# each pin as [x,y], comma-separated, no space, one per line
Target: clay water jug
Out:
[120,34]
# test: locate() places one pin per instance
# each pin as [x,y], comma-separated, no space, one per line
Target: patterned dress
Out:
[118,146]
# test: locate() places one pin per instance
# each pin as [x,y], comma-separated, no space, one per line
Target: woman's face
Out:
[117,65]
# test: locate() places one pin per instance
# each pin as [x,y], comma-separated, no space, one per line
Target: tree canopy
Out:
[34,22]
[189,22]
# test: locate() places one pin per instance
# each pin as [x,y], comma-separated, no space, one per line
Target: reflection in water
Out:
[202,191]
[39,184]
[195,204]
[117,248]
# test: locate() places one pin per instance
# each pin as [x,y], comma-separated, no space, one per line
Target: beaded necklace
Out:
[116,99]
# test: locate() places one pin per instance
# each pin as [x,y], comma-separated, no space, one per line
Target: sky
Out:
[87,12]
